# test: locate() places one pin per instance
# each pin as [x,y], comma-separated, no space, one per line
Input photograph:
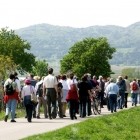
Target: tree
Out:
[88,56]
[131,73]
[40,68]
[16,49]
[6,66]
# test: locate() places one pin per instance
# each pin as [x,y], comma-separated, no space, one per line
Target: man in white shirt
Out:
[112,91]
[50,84]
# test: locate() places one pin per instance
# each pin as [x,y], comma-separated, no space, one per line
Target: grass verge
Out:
[124,125]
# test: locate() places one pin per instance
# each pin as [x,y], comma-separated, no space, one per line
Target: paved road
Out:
[21,129]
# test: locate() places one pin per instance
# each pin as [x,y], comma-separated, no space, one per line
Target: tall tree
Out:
[40,68]
[16,48]
[89,56]
[6,66]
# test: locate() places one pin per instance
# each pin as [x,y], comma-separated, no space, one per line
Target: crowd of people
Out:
[55,92]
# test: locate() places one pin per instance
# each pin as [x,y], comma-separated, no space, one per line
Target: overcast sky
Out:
[74,13]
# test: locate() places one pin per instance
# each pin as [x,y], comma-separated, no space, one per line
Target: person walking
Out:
[11,97]
[84,93]
[112,91]
[26,95]
[101,93]
[127,82]
[60,97]
[40,99]
[134,91]
[122,88]
[65,92]
[72,96]
[50,85]
[33,83]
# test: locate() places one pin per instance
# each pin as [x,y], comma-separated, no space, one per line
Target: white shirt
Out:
[50,81]
[37,84]
[27,90]
[64,84]
[18,84]
[69,82]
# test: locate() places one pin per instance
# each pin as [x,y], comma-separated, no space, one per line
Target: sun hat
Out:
[27,81]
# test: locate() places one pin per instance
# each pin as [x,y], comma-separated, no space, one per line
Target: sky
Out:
[17,14]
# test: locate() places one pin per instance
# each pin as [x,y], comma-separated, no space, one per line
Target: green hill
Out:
[53,42]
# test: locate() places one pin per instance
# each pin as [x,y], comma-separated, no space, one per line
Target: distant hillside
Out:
[53,42]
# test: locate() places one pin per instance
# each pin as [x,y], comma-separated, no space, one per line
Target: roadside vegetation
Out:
[123,125]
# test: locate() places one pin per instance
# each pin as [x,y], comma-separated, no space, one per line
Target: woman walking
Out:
[65,92]
[26,95]
[72,96]
[11,97]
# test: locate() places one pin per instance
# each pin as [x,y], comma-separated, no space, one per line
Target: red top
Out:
[14,96]
[72,95]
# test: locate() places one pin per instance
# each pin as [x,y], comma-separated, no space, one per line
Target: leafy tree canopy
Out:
[6,66]
[14,47]
[131,73]
[88,56]
[40,68]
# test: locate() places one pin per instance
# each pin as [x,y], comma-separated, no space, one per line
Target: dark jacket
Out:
[122,86]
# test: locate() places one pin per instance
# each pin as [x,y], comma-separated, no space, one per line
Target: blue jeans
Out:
[11,107]
[112,102]
[82,106]
[121,101]
[134,98]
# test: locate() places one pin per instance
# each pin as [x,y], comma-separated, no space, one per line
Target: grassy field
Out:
[118,69]
[124,125]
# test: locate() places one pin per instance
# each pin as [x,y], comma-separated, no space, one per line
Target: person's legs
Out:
[13,108]
[38,107]
[8,110]
[70,102]
[126,96]
[88,106]
[114,101]
[135,98]
[29,109]
[107,102]
[60,107]
[84,108]
[53,100]
[110,102]
[102,97]
[122,99]
[43,101]
[49,104]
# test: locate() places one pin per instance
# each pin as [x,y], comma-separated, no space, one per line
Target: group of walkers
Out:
[55,92]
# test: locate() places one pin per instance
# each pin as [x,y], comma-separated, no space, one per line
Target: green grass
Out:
[19,112]
[124,125]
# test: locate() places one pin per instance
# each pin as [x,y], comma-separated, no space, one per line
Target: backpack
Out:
[40,90]
[134,86]
[9,89]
